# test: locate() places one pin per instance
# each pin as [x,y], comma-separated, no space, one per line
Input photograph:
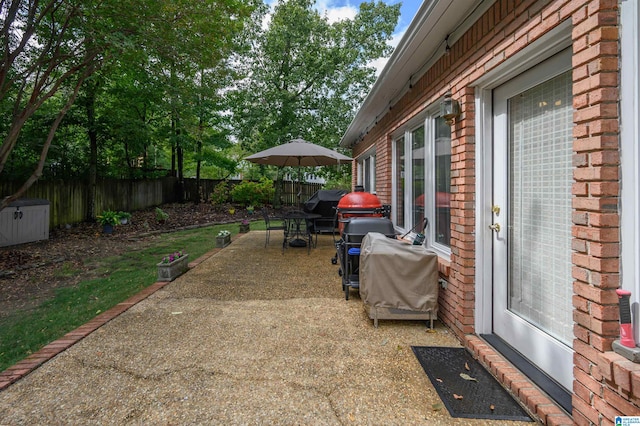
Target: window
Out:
[367,172]
[398,196]
[423,153]
[417,178]
[442,182]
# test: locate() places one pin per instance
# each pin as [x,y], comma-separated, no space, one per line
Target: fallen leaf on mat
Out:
[466,366]
[437,407]
[492,407]
[352,417]
[468,377]
[439,380]
[456,396]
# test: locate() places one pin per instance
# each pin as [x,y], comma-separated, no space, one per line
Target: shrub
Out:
[220,194]
[253,193]
[161,215]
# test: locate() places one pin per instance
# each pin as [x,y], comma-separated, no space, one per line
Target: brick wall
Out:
[605,384]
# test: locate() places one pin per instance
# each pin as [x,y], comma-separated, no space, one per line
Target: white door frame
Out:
[553,42]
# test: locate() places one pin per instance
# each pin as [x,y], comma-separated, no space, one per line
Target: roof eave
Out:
[422,43]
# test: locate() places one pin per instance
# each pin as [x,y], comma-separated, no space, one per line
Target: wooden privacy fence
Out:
[69,199]
[290,189]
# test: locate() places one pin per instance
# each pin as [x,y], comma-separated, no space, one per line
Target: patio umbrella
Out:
[298,153]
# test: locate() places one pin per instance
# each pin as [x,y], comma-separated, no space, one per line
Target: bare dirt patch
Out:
[29,273]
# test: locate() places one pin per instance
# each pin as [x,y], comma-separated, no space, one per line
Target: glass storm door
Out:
[532,166]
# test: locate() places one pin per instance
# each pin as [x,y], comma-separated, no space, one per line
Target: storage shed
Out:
[24,221]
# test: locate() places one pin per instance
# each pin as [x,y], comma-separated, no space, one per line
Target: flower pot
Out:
[222,242]
[244,228]
[171,271]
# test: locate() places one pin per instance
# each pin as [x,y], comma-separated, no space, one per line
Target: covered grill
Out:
[398,280]
[348,247]
[324,203]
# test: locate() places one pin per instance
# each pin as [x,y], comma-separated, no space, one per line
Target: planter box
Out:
[245,228]
[171,271]
[222,242]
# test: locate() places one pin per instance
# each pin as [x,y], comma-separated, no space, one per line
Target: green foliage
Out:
[253,193]
[311,75]
[161,215]
[141,79]
[220,194]
[108,217]
[338,182]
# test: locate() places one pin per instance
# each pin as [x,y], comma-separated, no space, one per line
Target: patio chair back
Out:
[270,226]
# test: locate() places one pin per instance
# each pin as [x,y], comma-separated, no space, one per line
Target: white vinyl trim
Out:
[630,154]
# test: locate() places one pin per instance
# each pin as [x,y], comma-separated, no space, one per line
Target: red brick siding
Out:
[605,384]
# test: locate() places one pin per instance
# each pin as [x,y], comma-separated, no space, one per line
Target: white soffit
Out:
[421,45]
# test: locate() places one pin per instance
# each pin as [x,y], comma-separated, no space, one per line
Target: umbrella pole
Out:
[299,181]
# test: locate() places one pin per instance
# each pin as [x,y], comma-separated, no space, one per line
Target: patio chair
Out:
[269,226]
[326,225]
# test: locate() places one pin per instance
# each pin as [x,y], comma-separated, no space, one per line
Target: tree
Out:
[50,48]
[307,76]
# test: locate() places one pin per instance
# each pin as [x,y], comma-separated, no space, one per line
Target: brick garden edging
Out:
[49,351]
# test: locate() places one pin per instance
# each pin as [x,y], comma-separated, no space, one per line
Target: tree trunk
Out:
[90,107]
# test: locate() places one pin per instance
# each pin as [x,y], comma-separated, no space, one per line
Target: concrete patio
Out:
[248,336]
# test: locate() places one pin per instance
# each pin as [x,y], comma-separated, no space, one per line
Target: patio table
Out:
[295,234]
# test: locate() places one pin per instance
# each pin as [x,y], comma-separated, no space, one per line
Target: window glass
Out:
[417,177]
[367,172]
[399,182]
[366,175]
[442,179]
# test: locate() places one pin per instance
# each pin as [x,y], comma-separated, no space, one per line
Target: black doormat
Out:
[465,387]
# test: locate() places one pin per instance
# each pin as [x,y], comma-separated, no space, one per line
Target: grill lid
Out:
[359,200]
[364,225]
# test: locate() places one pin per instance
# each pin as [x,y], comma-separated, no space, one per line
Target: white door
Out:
[532,166]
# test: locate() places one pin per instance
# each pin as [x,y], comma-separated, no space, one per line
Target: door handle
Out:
[495,227]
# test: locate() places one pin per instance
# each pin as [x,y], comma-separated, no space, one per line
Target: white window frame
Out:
[630,154]
[367,160]
[425,119]
[394,183]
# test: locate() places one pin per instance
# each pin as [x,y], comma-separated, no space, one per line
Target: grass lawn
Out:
[120,277]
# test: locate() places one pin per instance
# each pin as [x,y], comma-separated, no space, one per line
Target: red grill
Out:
[358,204]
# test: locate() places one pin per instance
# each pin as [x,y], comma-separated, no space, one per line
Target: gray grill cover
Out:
[394,274]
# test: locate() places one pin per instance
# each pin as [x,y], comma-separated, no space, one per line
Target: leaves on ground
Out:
[468,377]
[456,396]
